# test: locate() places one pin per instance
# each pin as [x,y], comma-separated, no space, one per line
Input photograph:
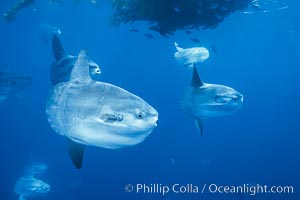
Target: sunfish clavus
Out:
[202,100]
[97,114]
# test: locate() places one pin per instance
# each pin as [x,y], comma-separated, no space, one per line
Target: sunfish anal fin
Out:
[199,125]
[81,70]
[57,48]
[196,81]
[76,152]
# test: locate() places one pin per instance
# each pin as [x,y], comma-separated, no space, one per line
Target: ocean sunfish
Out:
[94,113]
[13,83]
[61,69]
[202,100]
[190,56]
[31,187]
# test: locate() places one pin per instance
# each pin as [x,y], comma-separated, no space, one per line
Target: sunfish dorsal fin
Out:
[196,81]
[57,48]
[76,152]
[80,71]
[178,47]
[199,125]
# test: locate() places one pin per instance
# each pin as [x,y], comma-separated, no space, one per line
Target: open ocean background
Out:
[257,54]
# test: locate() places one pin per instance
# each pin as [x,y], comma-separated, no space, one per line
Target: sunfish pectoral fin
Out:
[76,152]
[199,125]
[57,48]
[2,98]
[21,197]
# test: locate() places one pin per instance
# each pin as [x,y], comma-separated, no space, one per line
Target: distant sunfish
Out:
[13,83]
[202,100]
[31,187]
[61,69]
[191,56]
[35,168]
[94,113]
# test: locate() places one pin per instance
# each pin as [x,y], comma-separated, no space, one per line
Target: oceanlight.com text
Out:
[176,188]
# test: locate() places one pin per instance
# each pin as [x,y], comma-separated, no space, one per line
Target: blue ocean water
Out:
[257,54]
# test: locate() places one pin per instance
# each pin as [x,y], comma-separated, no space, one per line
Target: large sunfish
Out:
[202,100]
[13,83]
[94,113]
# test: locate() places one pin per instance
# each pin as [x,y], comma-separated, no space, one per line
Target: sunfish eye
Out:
[141,115]
[120,117]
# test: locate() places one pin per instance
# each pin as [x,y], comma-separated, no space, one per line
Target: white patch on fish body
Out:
[191,56]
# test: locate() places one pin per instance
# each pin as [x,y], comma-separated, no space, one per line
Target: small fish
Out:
[195,40]
[148,35]
[133,30]
[176,9]
[256,6]
[188,32]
